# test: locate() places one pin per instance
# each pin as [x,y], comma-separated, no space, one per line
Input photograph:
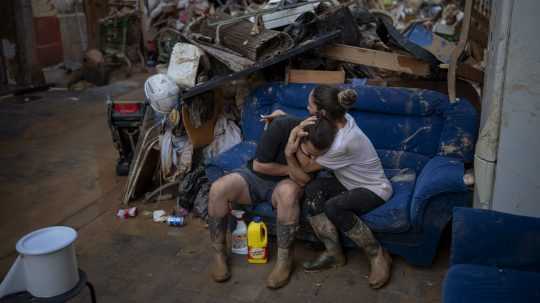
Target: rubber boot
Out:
[333,255]
[220,269]
[281,273]
[380,261]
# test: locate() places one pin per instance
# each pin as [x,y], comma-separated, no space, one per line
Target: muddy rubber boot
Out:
[220,269]
[380,269]
[333,255]
[380,261]
[281,273]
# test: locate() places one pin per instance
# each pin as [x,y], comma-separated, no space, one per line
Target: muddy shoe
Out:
[326,260]
[220,270]
[281,273]
[380,269]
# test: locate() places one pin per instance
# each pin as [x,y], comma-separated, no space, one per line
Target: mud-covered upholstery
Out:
[495,257]
[423,141]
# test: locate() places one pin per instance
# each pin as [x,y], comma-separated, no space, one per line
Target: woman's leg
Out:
[343,210]
[317,193]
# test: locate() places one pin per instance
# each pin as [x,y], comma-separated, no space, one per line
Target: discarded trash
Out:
[162,92]
[257,242]
[184,64]
[176,221]
[127,213]
[182,212]
[159,215]
[226,135]
[239,235]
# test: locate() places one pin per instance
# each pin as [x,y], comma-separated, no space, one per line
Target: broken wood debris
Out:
[375,58]
[316,76]
[241,38]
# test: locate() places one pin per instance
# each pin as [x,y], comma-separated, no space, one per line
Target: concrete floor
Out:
[57,162]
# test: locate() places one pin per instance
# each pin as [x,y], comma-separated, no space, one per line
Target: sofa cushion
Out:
[230,160]
[477,283]
[391,217]
[400,119]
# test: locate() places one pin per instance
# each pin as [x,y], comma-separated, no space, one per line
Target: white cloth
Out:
[355,162]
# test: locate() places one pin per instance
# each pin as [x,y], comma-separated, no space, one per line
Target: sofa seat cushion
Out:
[477,283]
[230,160]
[391,217]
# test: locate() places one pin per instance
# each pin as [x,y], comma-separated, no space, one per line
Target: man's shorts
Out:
[260,190]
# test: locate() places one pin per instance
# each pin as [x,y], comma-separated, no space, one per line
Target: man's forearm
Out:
[270,169]
[295,171]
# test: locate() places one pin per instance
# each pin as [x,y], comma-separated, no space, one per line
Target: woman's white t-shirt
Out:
[355,162]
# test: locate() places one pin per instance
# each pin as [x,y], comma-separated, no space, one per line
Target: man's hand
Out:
[268,118]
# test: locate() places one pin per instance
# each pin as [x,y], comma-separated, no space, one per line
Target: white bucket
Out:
[46,266]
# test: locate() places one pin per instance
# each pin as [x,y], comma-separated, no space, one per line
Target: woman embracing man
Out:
[331,140]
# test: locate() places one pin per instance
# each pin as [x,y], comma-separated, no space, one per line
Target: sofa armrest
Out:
[486,237]
[440,175]
[234,158]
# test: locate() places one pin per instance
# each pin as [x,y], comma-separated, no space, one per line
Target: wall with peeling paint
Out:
[517,181]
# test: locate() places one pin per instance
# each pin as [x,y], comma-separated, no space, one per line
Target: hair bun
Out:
[347,97]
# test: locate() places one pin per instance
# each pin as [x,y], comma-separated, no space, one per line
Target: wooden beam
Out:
[463,37]
[316,76]
[375,58]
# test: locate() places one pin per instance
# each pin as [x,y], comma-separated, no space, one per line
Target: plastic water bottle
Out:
[239,235]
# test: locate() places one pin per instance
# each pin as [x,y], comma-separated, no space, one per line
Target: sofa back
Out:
[406,126]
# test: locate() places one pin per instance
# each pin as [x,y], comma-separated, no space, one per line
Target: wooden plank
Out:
[463,37]
[466,71]
[316,76]
[375,58]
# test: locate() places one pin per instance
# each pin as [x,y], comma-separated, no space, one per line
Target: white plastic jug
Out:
[46,266]
[239,235]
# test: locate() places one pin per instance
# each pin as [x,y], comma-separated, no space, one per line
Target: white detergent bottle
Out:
[239,235]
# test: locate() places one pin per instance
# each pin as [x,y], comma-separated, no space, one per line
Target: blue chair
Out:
[423,141]
[495,257]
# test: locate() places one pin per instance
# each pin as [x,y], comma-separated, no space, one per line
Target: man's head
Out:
[319,138]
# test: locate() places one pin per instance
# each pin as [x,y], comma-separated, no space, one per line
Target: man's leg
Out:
[343,210]
[285,199]
[227,189]
[316,194]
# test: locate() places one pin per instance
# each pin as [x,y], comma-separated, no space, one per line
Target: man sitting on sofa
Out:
[272,168]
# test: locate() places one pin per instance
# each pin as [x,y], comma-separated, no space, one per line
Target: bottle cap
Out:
[257,219]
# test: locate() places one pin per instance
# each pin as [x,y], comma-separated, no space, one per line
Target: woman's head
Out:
[331,102]
[319,138]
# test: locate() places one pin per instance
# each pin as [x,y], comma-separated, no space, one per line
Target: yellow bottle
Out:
[257,239]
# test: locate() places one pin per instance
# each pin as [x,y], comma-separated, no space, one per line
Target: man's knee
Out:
[225,188]
[286,194]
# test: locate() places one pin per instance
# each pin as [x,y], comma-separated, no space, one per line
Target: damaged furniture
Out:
[423,141]
[495,257]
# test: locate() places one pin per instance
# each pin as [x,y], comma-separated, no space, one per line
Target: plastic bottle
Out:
[239,235]
[257,241]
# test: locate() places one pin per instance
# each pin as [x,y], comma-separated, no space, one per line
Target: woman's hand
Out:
[296,135]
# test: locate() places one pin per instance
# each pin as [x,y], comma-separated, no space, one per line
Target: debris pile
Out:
[215,52]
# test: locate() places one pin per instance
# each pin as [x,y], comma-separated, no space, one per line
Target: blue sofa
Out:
[495,257]
[423,141]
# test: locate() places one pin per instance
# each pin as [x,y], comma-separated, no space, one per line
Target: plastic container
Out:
[46,266]
[239,235]
[184,63]
[257,242]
